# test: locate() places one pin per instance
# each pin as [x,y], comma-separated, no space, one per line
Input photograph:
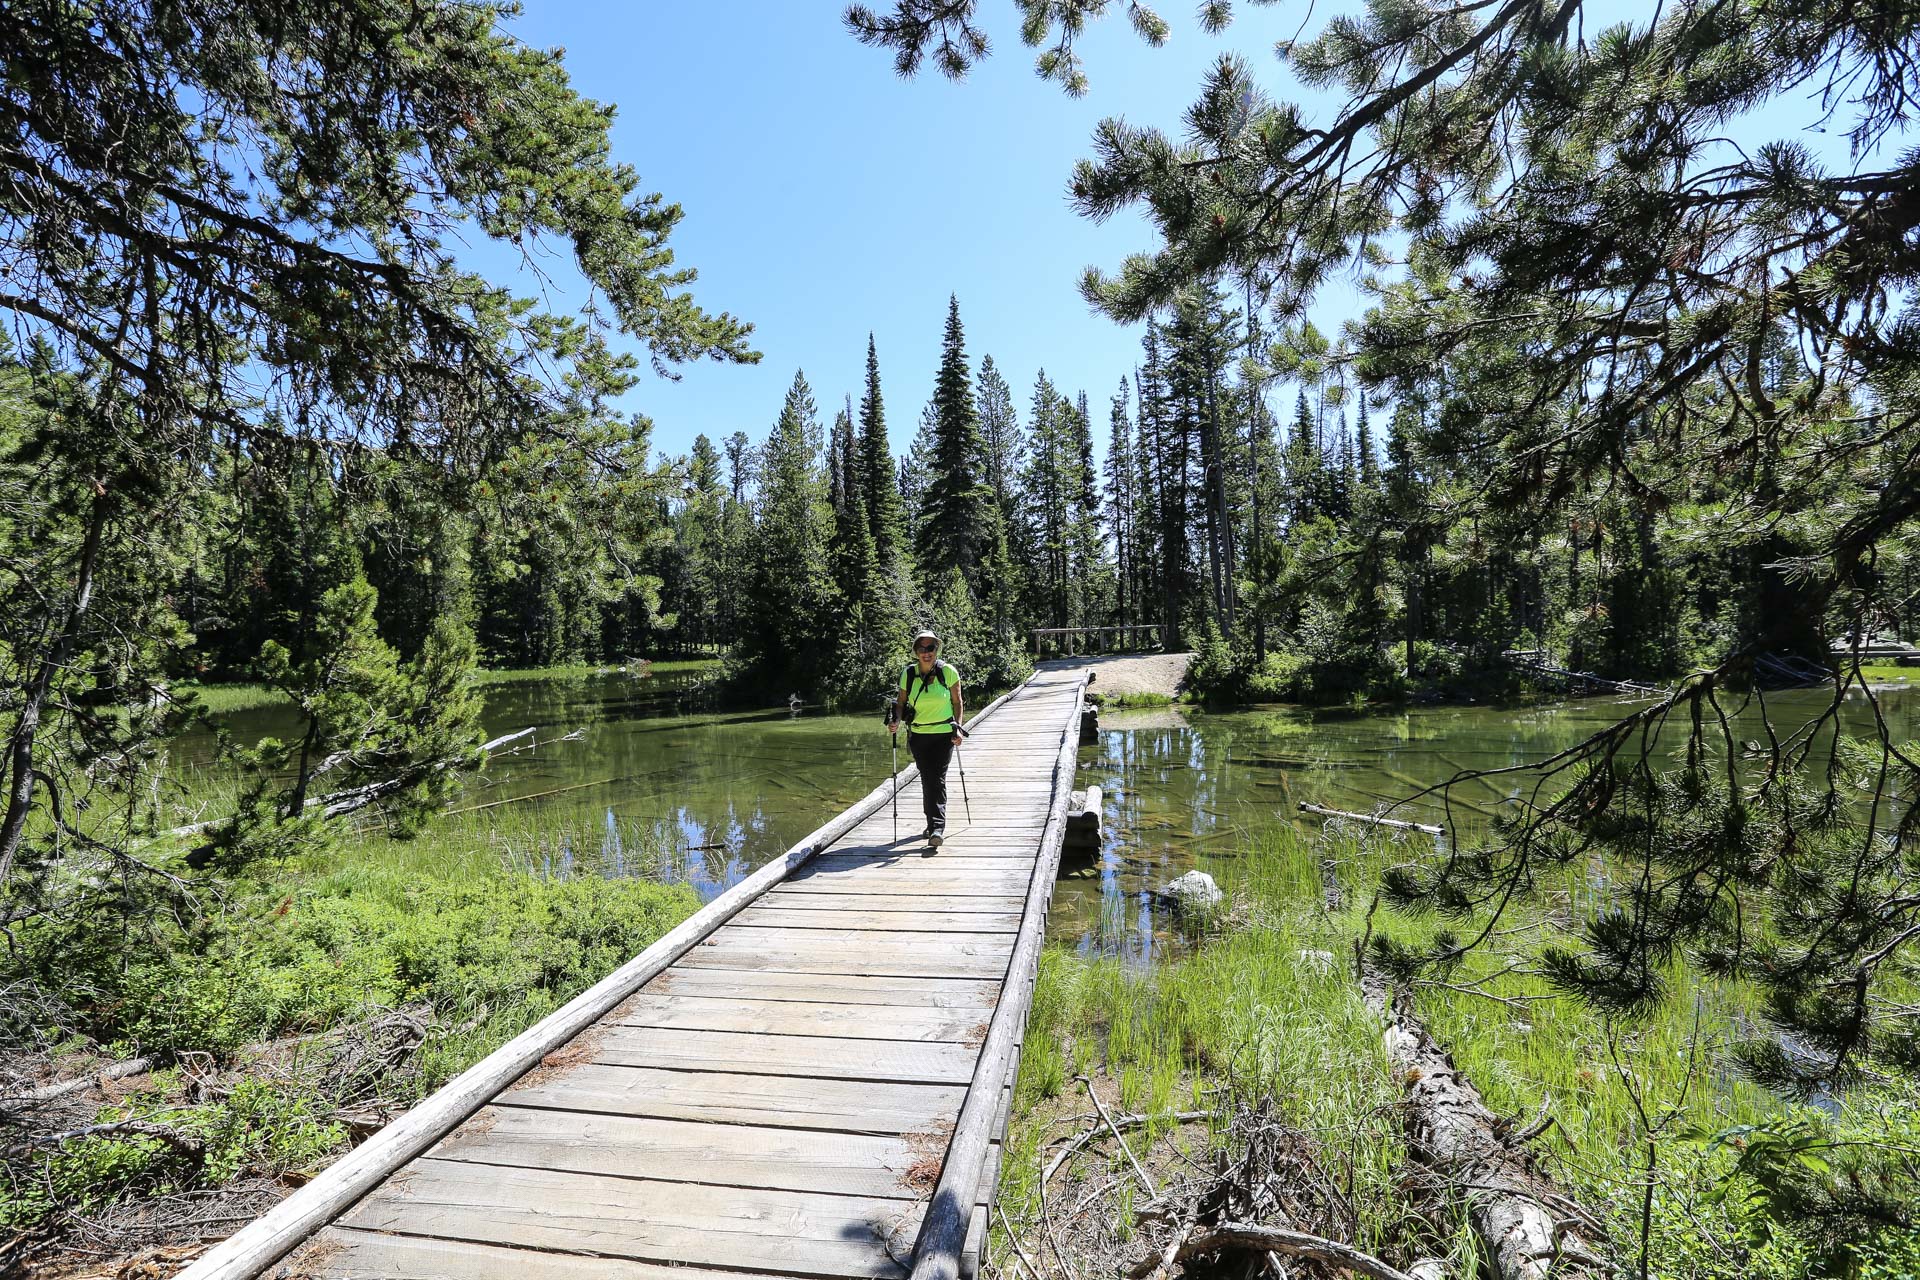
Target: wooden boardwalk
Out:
[795,1086]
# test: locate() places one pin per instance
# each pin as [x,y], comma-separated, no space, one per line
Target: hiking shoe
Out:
[935,837]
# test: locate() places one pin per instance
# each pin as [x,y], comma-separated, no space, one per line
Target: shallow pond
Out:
[1183,787]
[707,796]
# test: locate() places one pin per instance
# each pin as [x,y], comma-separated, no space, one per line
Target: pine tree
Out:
[916,473]
[1306,481]
[1167,459]
[1088,573]
[1048,490]
[952,530]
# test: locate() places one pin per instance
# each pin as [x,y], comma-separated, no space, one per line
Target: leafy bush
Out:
[490,955]
[283,960]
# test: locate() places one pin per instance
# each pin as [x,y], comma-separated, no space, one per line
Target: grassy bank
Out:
[292,1008]
[1267,1012]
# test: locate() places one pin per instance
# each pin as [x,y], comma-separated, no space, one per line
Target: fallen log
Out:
[1459,1139]
[61,1088]
[341,803]
[1324,812]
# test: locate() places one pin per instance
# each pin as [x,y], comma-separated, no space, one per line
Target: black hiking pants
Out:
[932,752]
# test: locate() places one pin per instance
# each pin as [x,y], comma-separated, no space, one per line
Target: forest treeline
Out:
[1242,490]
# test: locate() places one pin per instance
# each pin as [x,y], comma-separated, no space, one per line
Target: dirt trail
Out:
[1128,672]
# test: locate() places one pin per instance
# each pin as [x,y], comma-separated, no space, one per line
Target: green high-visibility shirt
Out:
[932,702]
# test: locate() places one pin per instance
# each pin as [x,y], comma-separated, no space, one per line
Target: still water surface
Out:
[712,795]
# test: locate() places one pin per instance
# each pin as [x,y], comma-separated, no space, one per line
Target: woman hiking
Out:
[930,706]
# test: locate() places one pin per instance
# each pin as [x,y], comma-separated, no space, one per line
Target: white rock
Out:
[1194,891]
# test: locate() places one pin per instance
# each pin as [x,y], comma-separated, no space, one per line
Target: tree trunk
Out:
[20,748]
[1451,1131]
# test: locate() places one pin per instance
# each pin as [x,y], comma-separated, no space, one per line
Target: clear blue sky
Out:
[825,197]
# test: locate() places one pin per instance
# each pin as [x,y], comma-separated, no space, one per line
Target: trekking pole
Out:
[961,760]
[893,778]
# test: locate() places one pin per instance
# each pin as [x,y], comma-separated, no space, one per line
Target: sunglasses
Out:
[926,648]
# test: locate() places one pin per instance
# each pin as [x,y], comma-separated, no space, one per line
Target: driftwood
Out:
[1324,812]
[1456,1136]
[1118,1122]
[1099,1106]
[188,1146]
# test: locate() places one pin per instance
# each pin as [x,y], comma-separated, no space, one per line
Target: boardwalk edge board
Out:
[937,1254]
[269,1238]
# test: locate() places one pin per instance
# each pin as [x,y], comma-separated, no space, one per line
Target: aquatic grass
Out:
[228,699]
[1269,1008]
[1255,1011]
[1139,699]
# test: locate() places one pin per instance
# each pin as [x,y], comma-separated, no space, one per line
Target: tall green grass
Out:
[1271,1008]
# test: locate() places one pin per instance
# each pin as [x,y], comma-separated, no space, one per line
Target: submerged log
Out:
[1324,812]
[1454,1134]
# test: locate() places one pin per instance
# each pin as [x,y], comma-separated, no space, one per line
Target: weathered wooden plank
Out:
[683,1151]
[925,941]
[795,1017]
[990,879]
[935,861]
[747,1053]
[933,993]
[343,1253]
[792,1231]
[942,922]
[905,959]
[927,886]
[844,1106]
[891,903]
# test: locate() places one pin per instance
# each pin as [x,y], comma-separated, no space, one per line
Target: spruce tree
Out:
[796,605]
[1306,481]
[852,551]
[952,529]
[886,520]
[1122,504]
[1000,434]
[1363,445]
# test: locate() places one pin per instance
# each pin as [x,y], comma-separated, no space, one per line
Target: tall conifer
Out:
[885,519]
[952,530]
